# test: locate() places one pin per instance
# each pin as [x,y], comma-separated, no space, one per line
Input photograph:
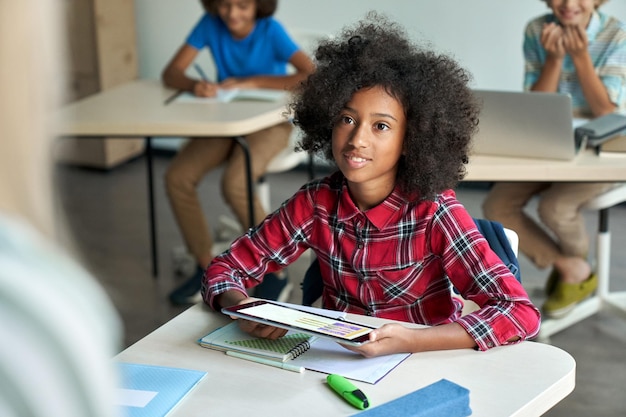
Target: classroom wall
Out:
[485,36]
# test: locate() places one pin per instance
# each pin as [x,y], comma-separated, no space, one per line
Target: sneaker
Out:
[274,287]
[552,282]
[189,291]
[565,296]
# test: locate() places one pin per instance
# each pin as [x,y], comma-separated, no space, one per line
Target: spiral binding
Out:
[299,349]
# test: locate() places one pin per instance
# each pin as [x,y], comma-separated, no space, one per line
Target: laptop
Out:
[525,124]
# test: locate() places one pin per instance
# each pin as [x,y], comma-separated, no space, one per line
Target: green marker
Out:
[348,391]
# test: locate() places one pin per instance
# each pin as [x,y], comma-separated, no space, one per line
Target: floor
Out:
[107,219]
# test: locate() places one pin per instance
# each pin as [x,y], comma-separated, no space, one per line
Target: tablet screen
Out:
[291,318]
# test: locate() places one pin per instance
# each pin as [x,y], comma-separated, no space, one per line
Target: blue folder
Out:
[169,384]
[440,399]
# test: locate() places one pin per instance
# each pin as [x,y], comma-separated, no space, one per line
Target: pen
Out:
[348,391]
[276,364]
[201,72]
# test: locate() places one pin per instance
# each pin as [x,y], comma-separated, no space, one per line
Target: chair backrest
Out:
[500,242]
[503,242]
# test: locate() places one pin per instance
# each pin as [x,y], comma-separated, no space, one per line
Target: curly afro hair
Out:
[441,111]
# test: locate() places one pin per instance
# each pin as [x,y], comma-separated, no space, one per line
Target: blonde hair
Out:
[30,53]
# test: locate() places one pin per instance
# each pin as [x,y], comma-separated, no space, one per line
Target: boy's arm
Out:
[174,74]
[301,62]
[548,80]
[576,45]
[552,42]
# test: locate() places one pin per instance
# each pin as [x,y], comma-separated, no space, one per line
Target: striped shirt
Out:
[607,47]
[397,260]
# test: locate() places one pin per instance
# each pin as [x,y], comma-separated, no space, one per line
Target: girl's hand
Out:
[204,89]
[388,339]
[261,330]
[258,329]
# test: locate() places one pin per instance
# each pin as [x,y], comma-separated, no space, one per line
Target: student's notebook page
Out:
[329,357]
[234,94]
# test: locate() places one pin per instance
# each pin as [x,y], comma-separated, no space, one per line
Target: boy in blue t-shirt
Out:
[250,50]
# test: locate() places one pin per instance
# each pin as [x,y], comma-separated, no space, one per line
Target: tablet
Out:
[290,318]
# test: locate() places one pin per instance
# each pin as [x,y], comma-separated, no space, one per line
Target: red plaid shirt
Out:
[397,260]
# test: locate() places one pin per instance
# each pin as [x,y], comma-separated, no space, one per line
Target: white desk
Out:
[521,380]
[143,109]
[585,167]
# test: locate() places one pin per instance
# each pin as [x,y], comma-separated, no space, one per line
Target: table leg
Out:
[153,238]
[246,151]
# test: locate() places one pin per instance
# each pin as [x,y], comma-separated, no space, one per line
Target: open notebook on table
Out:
[316,354]
[234,94]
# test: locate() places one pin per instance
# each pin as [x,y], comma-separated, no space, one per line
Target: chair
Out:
[603,297]
[502,241]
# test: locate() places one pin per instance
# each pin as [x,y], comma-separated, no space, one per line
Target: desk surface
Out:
[521,380]
[585,167]
[138,109]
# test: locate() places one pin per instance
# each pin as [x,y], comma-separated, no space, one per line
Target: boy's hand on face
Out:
[575,40]
[552,40]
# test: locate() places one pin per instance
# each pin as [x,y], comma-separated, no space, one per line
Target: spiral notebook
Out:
[232,338]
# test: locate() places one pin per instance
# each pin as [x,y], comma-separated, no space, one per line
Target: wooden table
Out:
[586,167]
[145,109]
[520,380]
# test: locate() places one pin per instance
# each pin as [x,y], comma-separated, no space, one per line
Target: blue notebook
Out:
[442,398]
[153,391]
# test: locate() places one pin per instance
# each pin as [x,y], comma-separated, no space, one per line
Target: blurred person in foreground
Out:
[58,329]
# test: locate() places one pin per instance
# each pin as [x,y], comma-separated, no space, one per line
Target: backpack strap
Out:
[499,243]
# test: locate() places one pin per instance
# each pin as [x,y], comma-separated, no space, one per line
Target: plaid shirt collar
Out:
[387,212]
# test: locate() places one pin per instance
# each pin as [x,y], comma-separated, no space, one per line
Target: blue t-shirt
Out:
[265,51]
